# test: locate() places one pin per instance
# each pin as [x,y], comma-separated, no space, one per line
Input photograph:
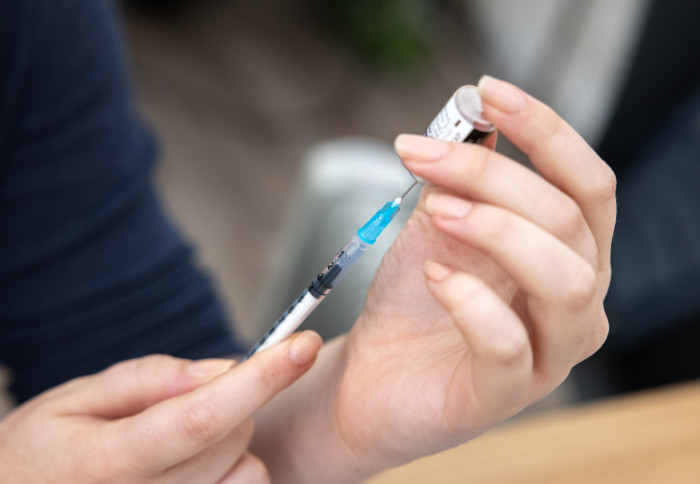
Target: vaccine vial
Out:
[461,120]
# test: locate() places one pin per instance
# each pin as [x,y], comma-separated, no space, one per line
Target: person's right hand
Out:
[155,419]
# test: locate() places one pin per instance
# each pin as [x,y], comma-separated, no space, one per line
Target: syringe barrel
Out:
[336,269]
[312,296]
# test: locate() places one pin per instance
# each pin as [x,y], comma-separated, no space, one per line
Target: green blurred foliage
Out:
[387,33]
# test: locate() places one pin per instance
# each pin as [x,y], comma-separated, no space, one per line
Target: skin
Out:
[492,292]
[156,419]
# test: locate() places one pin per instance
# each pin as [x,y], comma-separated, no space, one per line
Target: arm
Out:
[92,271]
[492,292]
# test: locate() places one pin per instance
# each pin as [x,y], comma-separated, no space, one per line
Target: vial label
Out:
[450,125]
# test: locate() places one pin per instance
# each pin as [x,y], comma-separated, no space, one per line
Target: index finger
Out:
[177,429]
[558,152]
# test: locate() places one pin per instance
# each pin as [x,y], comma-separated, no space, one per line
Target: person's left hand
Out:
[490,295]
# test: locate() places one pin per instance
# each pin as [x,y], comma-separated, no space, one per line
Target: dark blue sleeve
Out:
[91,269]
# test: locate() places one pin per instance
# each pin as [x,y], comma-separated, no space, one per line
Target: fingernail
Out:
[501,95]
[304,347]
[447,206]
[435,271]
[209,368]
[420,148]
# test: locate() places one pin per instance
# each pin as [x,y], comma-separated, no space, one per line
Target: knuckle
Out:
[498,226]
[256,471]
[268,378]
[605,277]
[469,164]
[247,429]
[150,360]
[101,466]
[143,370]
[123,367]
[481,162]
[138,366]
[546,124]
[549,121]
[582,288]
[511,350]
[597,336]
[570,221]
[200,423]
[460,295]
[600,332]
[549,379]
[603,187]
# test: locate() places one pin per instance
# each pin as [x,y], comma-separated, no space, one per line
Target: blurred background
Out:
[262,106]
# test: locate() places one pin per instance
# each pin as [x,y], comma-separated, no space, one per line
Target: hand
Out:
[156,419]
[491,293]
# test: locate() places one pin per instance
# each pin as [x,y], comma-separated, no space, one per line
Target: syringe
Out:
[330,276]
[460,120]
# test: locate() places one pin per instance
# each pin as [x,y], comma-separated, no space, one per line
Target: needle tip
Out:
[406,192]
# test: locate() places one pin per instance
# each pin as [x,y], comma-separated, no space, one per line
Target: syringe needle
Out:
[408,190]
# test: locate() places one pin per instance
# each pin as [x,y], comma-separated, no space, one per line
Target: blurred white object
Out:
[572,54]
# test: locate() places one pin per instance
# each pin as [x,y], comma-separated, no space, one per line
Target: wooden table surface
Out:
[650,437]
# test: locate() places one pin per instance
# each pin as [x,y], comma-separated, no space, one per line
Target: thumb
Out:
[179,428]
[131,386]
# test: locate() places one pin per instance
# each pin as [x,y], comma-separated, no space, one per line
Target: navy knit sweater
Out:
[91,270]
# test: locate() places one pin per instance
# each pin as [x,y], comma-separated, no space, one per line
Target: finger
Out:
[216,461]
[546,268]
[131,386]
[490,142]
[561,285]
[558,152]
[175,430]
[490,177]
[500,350]
[248,470]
